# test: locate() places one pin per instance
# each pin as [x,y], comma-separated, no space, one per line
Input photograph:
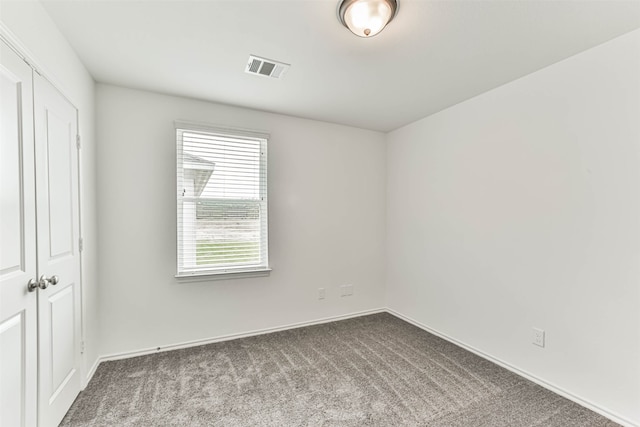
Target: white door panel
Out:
[58,232]
[60,139]
[12,370]
[18,309]
[12,190]
[62,337]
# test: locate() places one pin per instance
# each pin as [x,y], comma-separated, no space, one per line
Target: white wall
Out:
[520,208]
[326,214]
[515,209]
[36,32]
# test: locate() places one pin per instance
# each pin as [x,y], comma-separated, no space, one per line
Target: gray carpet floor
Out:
[370,371]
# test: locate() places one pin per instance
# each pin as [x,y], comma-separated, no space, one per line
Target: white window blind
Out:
[221,201]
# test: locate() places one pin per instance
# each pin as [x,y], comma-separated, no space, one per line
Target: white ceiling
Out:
[432,55]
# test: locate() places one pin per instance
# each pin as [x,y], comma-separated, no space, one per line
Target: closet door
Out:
[18,316]
[58,257]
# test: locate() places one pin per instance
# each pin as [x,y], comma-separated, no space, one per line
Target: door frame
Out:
[7,36]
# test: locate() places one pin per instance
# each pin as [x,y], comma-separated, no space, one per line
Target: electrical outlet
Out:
[321,293]
[346,290]
[538,337]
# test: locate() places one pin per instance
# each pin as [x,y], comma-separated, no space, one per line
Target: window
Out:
[221,201]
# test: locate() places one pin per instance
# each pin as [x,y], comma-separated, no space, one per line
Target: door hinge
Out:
[78,143]
[81,244]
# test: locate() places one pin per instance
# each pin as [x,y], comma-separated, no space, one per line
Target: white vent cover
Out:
[266,67]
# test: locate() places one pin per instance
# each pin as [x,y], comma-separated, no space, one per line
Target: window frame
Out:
[213,273]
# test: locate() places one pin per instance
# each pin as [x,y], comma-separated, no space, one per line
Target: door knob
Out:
[43,283]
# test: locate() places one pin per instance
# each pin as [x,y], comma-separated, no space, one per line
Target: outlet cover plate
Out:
[538,337]
[346,290]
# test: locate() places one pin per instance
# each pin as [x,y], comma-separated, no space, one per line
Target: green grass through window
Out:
[213,253]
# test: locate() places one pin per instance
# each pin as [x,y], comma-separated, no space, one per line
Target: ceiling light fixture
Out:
[366,18]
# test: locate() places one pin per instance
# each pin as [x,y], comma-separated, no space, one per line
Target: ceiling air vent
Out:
[266,67]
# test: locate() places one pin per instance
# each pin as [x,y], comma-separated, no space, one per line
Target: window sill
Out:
[206,276]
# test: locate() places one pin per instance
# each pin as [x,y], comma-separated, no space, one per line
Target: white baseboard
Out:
[91,372]
[549,386]
[195,343]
